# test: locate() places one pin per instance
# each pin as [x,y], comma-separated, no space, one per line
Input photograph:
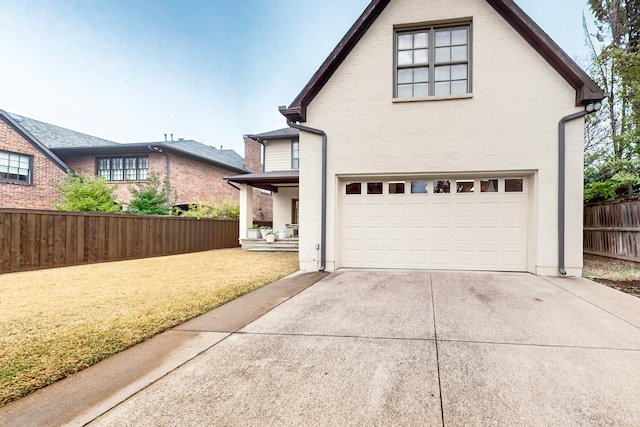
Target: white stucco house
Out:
[443,134]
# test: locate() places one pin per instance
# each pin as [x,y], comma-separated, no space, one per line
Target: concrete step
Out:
[277,246]
[260,245]
[272,249]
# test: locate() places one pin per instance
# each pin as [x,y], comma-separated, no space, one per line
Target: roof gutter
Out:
[588,109]
[323,232]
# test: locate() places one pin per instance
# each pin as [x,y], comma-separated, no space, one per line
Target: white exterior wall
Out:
[277,155]
[508,123]
[282,203]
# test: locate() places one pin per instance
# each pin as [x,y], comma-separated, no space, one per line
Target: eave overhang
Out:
[587,90]
[268,180]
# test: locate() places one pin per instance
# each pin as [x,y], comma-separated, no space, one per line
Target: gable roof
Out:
[34,141]
[55,142]
[586,89]
[225,159]
[57,137]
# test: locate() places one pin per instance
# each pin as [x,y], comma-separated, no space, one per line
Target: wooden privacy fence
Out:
[32,239]
[612,229]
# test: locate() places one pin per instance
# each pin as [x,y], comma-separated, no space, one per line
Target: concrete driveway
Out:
[396,348]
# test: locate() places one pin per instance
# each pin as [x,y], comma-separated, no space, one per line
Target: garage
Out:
[477,223]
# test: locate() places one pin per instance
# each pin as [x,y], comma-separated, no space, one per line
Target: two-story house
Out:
[35,155]
[277,176]
[443,134]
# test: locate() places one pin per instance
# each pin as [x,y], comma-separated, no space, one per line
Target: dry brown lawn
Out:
[58,321]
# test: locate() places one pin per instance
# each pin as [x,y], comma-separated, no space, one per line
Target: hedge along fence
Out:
[612,229]
[31,239]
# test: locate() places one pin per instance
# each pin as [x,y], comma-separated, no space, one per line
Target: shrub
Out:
[150,197]
[226,209]
[84,193]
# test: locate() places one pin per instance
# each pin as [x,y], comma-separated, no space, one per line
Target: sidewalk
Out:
[84,396]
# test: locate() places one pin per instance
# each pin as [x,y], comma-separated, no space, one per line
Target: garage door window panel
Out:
[396,188]
[353,188]
[465,186]
[514,185]
[488,185]
[419,187]
[442,186]
[374,187]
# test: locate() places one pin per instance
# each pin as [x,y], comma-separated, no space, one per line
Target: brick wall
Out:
[198,182]
[87,164]
[262,203]
[191,181]
[40,194]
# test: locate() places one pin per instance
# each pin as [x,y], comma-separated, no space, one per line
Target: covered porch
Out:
[284,188]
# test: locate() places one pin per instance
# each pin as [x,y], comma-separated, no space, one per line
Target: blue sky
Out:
[209,70]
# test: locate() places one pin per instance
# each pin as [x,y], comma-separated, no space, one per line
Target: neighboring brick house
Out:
[195,171]
[28,169]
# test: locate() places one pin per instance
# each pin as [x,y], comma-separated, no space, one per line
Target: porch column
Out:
[246,209]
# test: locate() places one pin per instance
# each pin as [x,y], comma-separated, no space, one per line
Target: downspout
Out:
[168,173]
[323,232]
[589,108]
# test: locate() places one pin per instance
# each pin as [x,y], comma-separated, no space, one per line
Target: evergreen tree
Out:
[150,197]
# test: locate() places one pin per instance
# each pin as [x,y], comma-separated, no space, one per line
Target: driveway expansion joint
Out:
[517,344]
[435,334]
[364,337]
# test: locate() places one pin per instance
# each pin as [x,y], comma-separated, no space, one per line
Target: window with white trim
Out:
[295,155]
[16,167]
[123,168]
[433,61]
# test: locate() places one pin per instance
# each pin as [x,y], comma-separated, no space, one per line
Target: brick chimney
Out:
[252,155]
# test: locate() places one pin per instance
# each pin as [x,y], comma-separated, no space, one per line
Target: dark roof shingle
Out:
[52,136]
[276,134]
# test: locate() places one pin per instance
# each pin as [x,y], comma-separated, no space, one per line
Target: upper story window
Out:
[432,61]
[15,167]
[123,168]
[295,155]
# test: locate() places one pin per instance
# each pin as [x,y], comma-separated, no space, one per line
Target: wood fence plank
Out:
[5,242]
[80,236]
[70,239]
[31,239]
[32,252]
[15,242]
[59,234]
[102,250]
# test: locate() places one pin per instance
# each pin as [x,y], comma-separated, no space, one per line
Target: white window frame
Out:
[18,165]
[295,154]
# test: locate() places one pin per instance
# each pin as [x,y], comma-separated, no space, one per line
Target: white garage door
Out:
[461,224]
